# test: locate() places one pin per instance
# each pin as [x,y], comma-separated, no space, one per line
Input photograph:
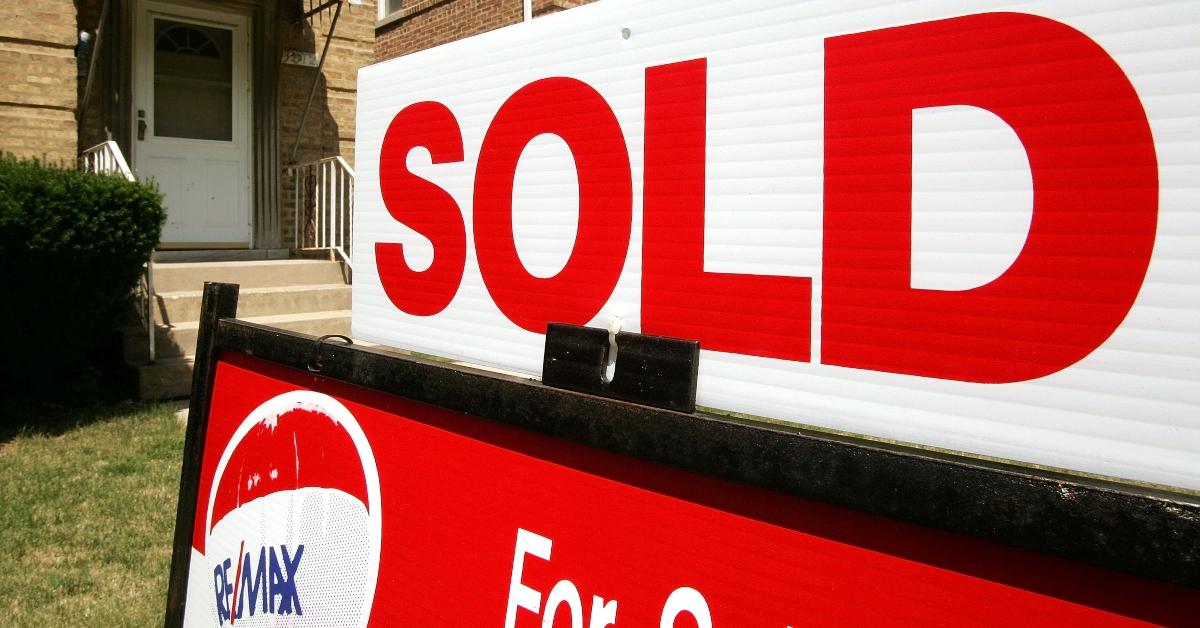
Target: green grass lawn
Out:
[87,513]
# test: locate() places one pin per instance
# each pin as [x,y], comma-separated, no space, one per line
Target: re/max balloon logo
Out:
[293,526]
[262,584]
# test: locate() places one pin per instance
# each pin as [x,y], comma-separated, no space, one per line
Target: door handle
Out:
[141,130]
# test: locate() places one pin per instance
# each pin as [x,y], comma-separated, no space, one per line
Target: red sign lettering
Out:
[424,207]
[1095,198]
[579,115]
[750,314]
[1094,172]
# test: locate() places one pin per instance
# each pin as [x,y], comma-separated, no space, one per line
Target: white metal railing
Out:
[105,157]
[323,206]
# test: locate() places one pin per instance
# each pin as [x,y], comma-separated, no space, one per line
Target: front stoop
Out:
[308,296]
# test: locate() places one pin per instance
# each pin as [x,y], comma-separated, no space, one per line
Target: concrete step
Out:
[190,276]
[220,255]
[180,340]
[178,307]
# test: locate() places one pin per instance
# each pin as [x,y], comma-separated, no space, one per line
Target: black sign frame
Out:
[1143,531]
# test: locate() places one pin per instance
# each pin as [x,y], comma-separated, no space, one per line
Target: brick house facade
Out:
[38,72]
[48,111]
[70,83]
[422,24]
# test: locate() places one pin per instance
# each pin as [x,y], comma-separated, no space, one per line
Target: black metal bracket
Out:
[316,365]
[650,370]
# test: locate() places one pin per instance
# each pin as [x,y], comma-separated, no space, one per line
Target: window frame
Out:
[383,16]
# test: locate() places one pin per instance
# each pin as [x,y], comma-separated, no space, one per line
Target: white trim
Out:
[240,21]
[106,157]
[382,15]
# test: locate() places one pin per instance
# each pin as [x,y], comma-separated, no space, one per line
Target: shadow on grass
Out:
[29,417]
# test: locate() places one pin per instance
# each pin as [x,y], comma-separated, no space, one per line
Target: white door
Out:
[192,121]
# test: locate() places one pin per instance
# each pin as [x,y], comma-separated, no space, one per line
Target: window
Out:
[389,8]
[193,81]
[185,39]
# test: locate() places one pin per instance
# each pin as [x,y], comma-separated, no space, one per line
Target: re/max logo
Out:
[264,585]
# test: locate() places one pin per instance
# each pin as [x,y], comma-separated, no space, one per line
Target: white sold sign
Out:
[942,223]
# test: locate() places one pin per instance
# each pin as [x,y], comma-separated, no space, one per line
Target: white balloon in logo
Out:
[293,523]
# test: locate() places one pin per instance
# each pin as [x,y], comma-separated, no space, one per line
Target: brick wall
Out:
[37,79]
[329,128]
[543,7]
[107,109]
[428,23]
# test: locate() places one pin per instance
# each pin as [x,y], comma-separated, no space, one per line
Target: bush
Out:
[72,246]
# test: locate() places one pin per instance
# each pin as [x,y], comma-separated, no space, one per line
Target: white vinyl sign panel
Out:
[967,225]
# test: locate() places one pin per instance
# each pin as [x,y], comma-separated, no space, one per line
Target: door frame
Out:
[141,69]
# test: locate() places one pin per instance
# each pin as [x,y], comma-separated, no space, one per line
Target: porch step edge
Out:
[184,305]
[189,276]
[179,340]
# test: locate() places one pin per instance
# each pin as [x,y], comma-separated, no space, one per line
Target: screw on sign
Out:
[293,521]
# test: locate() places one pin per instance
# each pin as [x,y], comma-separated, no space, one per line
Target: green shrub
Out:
[72,246]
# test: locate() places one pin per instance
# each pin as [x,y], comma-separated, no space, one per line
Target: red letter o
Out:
[578,114]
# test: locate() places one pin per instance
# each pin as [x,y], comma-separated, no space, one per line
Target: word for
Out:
[603,612]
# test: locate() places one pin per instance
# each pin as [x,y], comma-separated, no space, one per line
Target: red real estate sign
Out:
[330,504]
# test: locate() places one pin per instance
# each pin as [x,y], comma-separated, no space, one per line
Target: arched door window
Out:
[193,81]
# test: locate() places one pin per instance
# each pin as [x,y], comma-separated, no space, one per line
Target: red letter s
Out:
[424,207]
